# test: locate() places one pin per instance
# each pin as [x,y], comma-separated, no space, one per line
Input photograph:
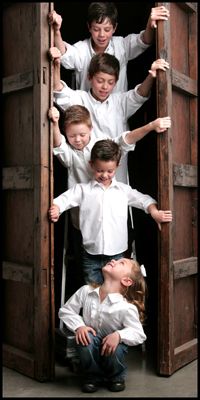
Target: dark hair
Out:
[98,12]
[106,150]
[76,114]
[106,63]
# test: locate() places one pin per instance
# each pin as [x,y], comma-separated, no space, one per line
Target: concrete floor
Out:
[142,381]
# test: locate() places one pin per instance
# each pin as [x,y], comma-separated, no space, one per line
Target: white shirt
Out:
[78,57]
[112,314]
[103,213]
[109,117]
[77,162]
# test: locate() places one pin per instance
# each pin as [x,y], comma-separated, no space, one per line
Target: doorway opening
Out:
[142,163]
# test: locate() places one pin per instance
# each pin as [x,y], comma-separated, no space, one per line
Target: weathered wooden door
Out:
[177,162]
[28,287]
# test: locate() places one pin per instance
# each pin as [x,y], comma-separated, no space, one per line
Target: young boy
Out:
[102,24]
[103,206]
[111,320]
[73,149]
[109,111]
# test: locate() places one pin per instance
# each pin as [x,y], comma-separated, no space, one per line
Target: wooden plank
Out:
[185,175]
[17,178]
[19,360]
[184,83]
[17,82]
[17,272]
[188,7]
[186,353]
[185,267]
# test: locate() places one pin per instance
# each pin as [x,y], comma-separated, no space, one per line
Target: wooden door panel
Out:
[177,183]
[28,289]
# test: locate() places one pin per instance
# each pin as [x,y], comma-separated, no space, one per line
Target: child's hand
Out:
[158,13]
[110,343]
[161,124]
[54,213]
[54,114]
[158,64]
[161,216]
[82,335]
[55,20]
[54,54]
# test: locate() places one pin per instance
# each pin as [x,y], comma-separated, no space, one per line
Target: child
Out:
[109,111]
[74,148]
[111,320]
[103,206]
[102,24]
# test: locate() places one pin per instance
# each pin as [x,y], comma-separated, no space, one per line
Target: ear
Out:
[126,281]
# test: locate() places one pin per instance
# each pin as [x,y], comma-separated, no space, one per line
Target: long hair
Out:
[137,292]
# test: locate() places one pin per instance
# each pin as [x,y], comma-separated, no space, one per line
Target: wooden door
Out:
[28,286]
[177,188]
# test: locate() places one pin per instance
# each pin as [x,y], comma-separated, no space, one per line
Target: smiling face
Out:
[101,34]
[102,85]
[118,269]
[78,135]
[103,171]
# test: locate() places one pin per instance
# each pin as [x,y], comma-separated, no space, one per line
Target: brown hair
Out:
[76,114]
[106,150]
[106,63]
[98,12]
[136,293]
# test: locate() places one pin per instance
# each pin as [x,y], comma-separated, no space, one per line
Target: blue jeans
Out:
[96,367]
[92,266]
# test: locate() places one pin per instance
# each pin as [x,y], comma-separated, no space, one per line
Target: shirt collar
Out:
[113,297]
[95,101]
[109,48]
[114,183]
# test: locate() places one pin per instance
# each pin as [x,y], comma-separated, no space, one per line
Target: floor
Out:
[142,381]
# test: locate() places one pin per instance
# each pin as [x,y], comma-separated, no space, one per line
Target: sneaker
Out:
[89,387]
[117,386]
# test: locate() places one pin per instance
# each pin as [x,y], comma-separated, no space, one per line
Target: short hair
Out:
[98,12]
[106,63]
[106,150]
[76,114]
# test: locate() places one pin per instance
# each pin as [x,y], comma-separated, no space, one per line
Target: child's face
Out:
[78,135]
[101,34]
[102,85]
[118,269]
[103,171]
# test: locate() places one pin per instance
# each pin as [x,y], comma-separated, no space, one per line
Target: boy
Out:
[102,24]
[74,148]
[103,206]
[109,111]
[111,321]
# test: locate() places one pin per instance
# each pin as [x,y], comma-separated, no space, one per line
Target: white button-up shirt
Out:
[78,57]
[114,313]
[103,213]
[108,117]
[77,162]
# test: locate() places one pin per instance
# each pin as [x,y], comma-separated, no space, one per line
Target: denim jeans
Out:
[96,367]
[92,266]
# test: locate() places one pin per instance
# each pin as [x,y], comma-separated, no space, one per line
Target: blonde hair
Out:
[76,114]
[137,292]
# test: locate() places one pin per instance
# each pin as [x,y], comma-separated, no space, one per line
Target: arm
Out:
[157,14]
[55,20]
[54,116]
[145,87]
[159,125]
[54,55]
[159,216]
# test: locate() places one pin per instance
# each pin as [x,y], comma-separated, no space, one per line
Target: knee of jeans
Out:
[91,337]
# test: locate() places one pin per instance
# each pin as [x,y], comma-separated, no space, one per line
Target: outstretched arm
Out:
[159,125]
[55,20]
[159,216]
[157,14]
[145,87]
[54,116]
